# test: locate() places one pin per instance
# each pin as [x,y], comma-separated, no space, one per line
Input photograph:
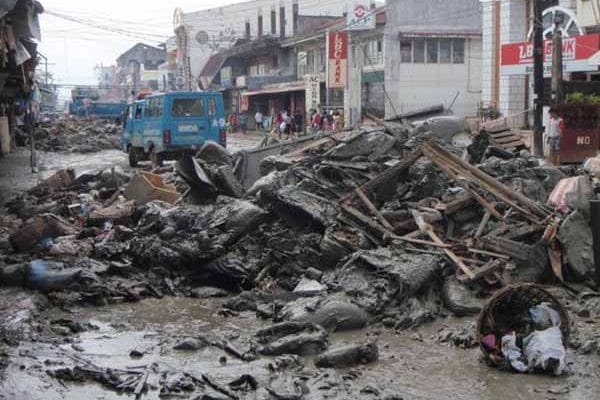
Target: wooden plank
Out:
[428,230]
[385,232]
[482,225]
[488,269]
[456,205]
[391,174]
[514,199]
[500,135]
[516,143]
[508,139]
[489,253]
[373,209]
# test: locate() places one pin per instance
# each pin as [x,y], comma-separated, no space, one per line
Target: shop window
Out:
[445,51]
[432,51]
[458,51]
[419,50]
[406,52]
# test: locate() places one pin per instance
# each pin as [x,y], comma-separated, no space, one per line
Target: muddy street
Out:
[266,274]
[412,365]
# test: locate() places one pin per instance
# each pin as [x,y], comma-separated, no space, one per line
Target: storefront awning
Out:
[278,88]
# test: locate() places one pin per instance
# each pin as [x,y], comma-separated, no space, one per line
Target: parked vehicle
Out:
[168,125]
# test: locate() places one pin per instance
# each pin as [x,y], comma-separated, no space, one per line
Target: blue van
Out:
[167,125]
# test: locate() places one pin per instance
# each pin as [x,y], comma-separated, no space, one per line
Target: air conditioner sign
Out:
[517,58]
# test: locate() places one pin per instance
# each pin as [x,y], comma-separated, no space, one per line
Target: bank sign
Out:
[517,58]
[338,60]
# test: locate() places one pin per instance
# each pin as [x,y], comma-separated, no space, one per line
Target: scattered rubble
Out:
[78,135]
[375,227]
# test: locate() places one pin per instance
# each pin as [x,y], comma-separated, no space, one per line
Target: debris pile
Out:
[78,135]
[375,226]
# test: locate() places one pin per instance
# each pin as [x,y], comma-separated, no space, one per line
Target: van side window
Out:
[212,107]
[138,112]
[188,108]
[159,107]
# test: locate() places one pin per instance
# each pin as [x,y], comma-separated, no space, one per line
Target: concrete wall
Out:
[489,54]
[224,25]
[415,85]
[373,98]
[513,19]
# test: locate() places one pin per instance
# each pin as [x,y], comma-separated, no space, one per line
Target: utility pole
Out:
[557,62]
[538,76]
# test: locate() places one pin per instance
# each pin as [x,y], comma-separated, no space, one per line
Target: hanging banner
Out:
[338,60]
[361,17]
[313,92]
[578,53]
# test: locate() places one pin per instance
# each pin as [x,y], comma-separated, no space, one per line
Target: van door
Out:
[153,132]
[189,121]
[125,128]
[217,118]
[137,126]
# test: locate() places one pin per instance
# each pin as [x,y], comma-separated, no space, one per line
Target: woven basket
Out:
[508,310]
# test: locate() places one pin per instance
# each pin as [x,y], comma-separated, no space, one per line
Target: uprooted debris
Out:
[78,135]
[374,226]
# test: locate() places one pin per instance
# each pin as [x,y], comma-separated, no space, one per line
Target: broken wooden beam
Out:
[373,209]
[428,230]
[381,183]
[517,250]
[483,223]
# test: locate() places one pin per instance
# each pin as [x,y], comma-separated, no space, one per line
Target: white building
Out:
[433,55]
[201,34]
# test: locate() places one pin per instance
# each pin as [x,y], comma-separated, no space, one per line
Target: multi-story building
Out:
[137,68]
[204,33]
[433,55]
[507,61]
[272,74]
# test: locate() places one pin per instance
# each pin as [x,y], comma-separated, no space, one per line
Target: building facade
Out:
[433,55]
[507,81]
[273,74]
[137,68]
[204,33]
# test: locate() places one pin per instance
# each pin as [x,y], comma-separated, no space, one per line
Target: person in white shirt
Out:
[258,117]
[555,130]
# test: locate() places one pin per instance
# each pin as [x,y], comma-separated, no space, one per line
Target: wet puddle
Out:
[412,364]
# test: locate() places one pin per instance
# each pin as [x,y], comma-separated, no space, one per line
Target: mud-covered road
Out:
[412,365]
[135,338]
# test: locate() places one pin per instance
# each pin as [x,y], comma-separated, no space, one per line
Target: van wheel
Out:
[133,157]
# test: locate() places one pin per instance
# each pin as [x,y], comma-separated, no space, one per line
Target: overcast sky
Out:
[75,49]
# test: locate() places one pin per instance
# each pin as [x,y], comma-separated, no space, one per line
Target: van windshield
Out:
[188,108]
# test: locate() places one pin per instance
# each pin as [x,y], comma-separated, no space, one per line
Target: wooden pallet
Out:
[507,140]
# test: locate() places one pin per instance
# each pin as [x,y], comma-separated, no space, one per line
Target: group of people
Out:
[288,125]
[324,121]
